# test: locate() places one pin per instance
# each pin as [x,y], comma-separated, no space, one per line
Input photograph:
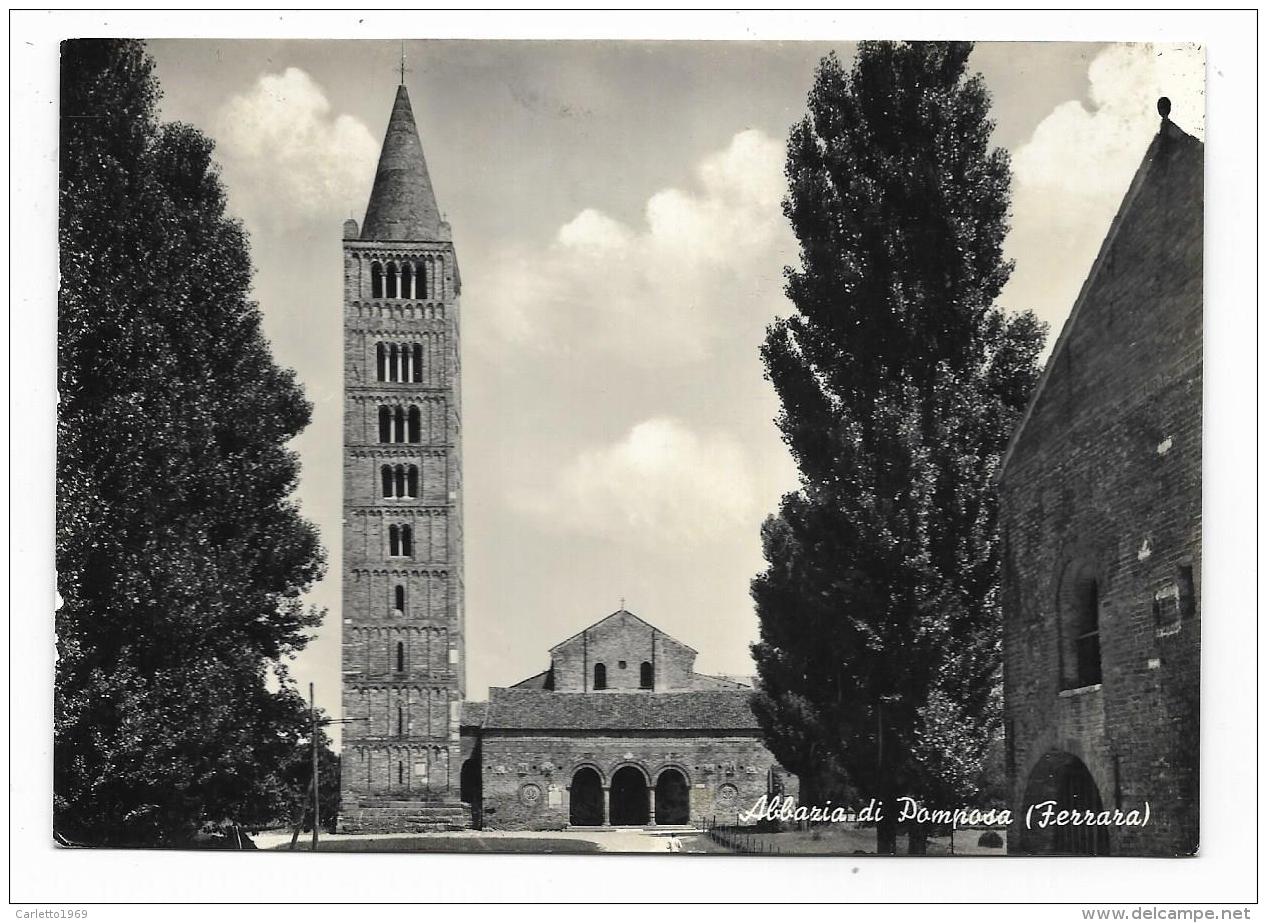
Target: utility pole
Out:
[316,785]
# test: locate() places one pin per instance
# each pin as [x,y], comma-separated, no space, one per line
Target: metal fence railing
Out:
[746,840]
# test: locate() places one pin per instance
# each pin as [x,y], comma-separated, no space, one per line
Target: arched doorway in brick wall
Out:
[672,797]
[585,798]
[472,789]
[630,805]
[1064,779]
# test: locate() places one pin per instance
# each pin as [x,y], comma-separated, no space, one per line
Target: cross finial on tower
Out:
[622,604]
[402,62]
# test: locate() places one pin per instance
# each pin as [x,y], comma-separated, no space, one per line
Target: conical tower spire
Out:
[402,204]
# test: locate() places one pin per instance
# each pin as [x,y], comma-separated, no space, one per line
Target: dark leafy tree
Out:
[298,775]
[900,383]
[181,556]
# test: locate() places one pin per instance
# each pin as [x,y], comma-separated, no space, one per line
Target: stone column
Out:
[606,806]
[651,805]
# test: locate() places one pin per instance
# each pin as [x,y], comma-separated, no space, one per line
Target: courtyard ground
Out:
[839,840]
[829,840]
[617,840]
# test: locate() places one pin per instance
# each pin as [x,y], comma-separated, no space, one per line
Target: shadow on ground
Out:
[448,844]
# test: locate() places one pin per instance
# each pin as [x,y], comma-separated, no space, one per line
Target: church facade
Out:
[619,729]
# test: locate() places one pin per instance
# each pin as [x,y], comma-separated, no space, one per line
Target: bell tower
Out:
[403,640]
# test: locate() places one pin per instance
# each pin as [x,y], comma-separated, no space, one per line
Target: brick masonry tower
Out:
[403,650]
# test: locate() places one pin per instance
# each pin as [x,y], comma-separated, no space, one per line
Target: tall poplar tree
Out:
[900,383]
[181,556]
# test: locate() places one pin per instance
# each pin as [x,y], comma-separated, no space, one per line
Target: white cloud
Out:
[661,485]
[288,157]
[1071,175]
[705,263]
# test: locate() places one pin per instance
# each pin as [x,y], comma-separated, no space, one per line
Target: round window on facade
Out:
[530,794]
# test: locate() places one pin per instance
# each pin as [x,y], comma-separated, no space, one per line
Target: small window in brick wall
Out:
[1166,613]
[1080,628]
[1187,592]
[1087,639]
[1174,603]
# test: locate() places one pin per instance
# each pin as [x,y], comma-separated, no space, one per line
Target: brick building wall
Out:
[1101,511]
[622,642]
[551,751]
[527,776]
[403,675]
[402,604]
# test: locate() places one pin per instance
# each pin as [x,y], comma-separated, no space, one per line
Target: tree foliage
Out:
[297,772]
[181,556]
[900,383]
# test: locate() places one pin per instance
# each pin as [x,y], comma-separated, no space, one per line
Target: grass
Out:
[448,844]
[704,844]
[843,840]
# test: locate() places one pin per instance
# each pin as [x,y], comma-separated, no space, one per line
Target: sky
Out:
[616,214]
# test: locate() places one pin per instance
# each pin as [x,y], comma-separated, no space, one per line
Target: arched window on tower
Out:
[400,656]
[400,480]
[398,417]
[406,281]
[376,279]
[384,424]
[387,481]
[412,486]
[382,362]
[415,425]
[393,366]
[400,773]
[600,676]
[407,541]
[422,279]
[400,599]
[393,541]
[400,719]
[417,350]
[646,677]
[391,280]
